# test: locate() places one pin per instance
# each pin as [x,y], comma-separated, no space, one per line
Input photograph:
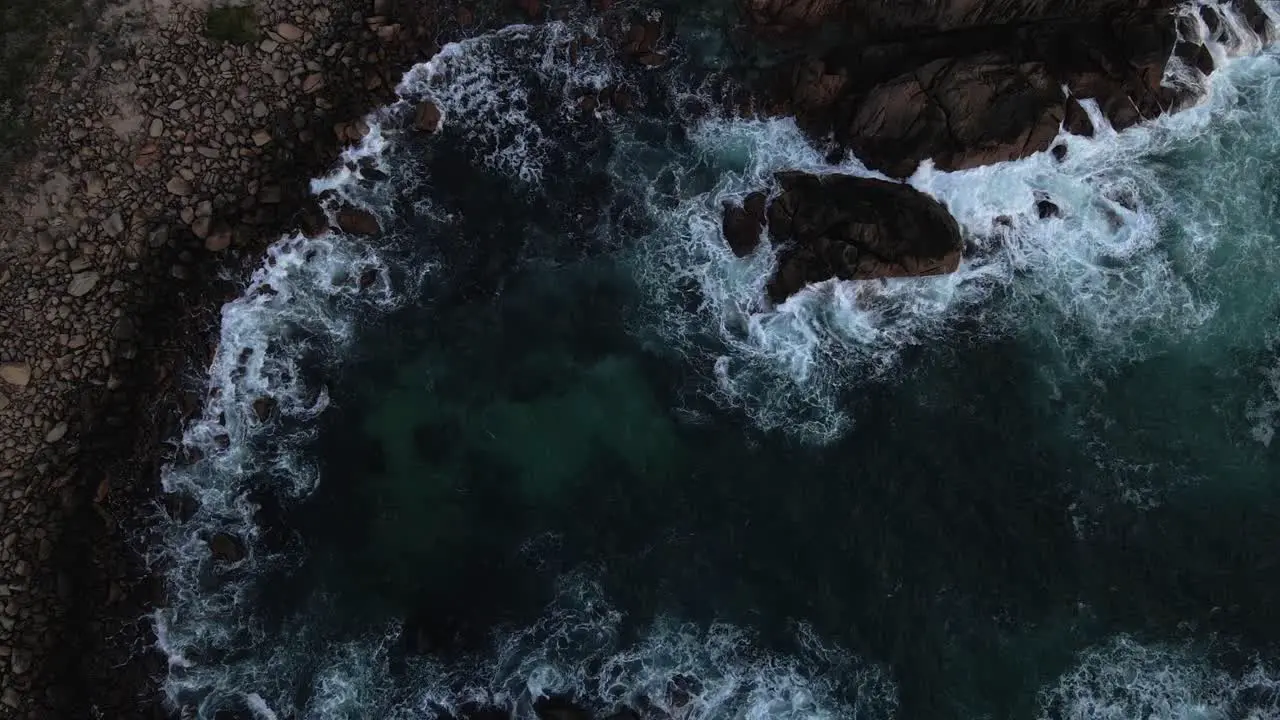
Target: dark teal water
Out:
[566,461]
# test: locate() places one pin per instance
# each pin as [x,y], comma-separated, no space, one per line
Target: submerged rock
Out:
[559,708]
[849,228]
[226,548]
[358,222]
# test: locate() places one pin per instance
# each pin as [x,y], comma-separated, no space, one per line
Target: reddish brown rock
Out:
[426,117]
[780,17]
[962,113]
[854,228]
[358,222]
[967,82]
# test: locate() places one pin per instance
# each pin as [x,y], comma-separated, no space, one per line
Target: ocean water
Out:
[545,438]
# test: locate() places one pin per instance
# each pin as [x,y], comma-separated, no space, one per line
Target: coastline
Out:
[160,164]
[113,373]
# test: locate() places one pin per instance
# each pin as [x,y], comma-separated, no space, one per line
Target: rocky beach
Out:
[163,155]
[165,145]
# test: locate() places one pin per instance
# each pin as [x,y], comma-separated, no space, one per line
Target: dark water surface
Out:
[1054,495]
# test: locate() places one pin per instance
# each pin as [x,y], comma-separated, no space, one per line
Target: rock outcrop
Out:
[846,227]
[965,82]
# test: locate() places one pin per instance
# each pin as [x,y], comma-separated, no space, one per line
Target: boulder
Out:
[226,548]
[358,222]
[880,19]
[559,708]
[967,82]
[15,373]
[743,224]
[426,117]
[855,228]
[783,17]
[961,112]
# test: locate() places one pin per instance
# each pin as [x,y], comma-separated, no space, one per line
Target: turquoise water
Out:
[563,447]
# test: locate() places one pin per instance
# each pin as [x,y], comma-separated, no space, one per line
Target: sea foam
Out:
[1126,679]
[1101,285]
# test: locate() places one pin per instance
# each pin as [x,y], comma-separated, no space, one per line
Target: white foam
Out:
[302,301]
[578,649]
[1104,270]
[487,87]
[1127,680]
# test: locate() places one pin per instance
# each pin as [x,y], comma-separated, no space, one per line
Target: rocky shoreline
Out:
[178,140]
[167,156]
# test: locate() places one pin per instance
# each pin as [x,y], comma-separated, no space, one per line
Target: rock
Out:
[358,222]
[264,408]
[4,401]
[743,224]
[82,283]
[559,708]
[788,16]
[1076,119]
[20,662]
[113,225]
[200,227]
[56,433]
[1059,152]
[261,137]
[158,238]
[219,239]
[312,83]
[15,373]
[289,32]
[964,82]
[962,113]
[226,548]
[271,194]
[94,184]
[650,59]
[532,8]
[157,128]
[854,228]
[1046,209]
[426,117]
[79,264]
[179,186]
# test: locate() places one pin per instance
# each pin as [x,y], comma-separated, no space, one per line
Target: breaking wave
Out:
[1132,264]
[1125,680]
[1102,284]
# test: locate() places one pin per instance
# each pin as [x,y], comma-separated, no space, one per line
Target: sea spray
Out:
[785,366]
[1125,679]
[1104,284]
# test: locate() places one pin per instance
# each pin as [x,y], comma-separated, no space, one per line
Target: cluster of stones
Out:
[161,158]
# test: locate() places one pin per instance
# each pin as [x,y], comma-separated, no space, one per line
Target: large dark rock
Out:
[744,223]
[966,82]
[961,112]
[854,228]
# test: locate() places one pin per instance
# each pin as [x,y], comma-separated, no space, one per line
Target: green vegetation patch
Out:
[237,25]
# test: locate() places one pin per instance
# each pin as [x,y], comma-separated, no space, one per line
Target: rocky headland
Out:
[171,141]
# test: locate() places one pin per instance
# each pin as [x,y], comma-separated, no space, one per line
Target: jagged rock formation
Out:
[969,83]
[846,227]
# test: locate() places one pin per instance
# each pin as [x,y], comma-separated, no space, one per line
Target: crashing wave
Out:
[1125,680]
